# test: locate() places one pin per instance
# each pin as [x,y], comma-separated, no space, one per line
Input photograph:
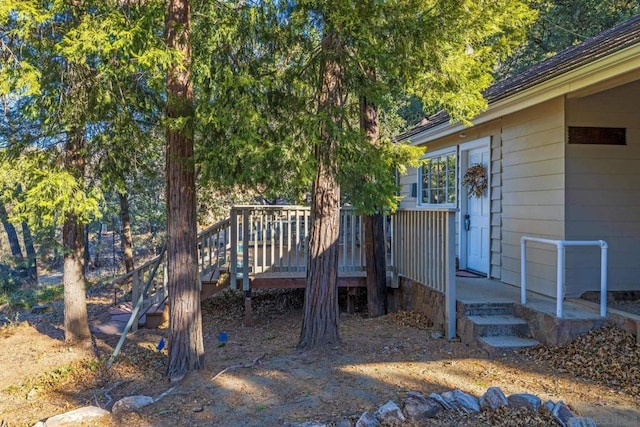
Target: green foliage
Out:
[10,279]
[370,181]
[561,24]
[51,192]
[25,298]
[101,72]
[256,68]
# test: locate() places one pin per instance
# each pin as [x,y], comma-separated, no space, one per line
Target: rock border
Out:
[418,407]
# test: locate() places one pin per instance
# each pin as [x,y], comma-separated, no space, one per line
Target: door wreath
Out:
[475,180]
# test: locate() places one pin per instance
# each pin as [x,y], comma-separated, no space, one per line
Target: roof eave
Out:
[623,62]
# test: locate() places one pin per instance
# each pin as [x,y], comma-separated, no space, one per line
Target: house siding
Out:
[603,192]
[491,130]
[533,189]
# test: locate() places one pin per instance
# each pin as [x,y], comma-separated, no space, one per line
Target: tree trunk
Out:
[320,321]
[376,264]
[32,266]
[12,236]
[186,346]
[76,324]
[27,239]
[375,254]
[127,238]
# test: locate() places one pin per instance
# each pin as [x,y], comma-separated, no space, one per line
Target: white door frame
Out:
[464,197]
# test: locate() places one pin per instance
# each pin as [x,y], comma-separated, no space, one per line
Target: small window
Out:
[437,183]
[597,135]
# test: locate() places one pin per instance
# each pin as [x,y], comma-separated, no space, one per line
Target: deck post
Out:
[450,275]
[248,310]
[135,296]
[233,275]
[246,236]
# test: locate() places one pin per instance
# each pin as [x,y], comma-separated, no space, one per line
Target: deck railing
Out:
[425,251]
[213,247]
[272,240]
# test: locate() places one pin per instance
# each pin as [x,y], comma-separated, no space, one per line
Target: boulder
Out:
[525,400]
[581,422]
[493,399]
[461,401]
[82,416]
[562,413]
[390,414]
[367,420]
[444,403]
[419,407]
[131,404]
[305,424]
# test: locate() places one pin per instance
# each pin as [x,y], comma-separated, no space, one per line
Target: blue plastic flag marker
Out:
[160,345]
[222,339]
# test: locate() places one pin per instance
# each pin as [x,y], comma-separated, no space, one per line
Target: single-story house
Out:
[560,146]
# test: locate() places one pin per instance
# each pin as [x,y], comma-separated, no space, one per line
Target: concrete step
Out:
[495,345]
[503,324]
[487,309]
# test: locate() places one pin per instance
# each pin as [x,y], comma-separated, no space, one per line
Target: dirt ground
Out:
[267,381]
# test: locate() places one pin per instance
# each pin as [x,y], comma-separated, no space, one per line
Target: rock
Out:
[305,424]
[461,401]
[344,423]
[419,407]
[445,404]
[131,404]
[466,401]
[525,400]
[493,399]
[580,422]
[390,414]
[367,420]
[81,416]
[549,404]
[562,413]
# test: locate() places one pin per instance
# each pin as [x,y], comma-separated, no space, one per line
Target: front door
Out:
[476,218]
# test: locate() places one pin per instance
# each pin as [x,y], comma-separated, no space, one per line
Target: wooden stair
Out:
[158,314]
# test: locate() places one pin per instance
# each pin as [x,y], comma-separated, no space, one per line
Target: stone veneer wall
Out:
[415,296]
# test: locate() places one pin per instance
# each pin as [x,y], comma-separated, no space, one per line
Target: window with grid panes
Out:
[438,180]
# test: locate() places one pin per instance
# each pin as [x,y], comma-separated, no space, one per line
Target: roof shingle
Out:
[610,41]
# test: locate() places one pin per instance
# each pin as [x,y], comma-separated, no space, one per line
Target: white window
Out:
[437,179]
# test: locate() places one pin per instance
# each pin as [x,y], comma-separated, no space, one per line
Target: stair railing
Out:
[150,279]
[560,250]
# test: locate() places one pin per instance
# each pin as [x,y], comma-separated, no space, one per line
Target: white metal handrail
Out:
[560,246]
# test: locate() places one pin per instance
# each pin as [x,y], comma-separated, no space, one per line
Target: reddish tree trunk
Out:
[76,324]
[186,347]
[320,321]
[375,254]
[376,265]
